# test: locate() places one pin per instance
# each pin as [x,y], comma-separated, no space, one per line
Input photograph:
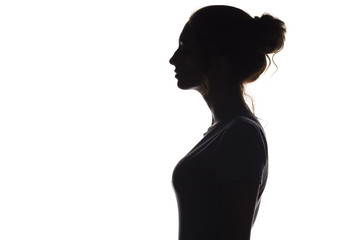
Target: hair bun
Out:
[270,34]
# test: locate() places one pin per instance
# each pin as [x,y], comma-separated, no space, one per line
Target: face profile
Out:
[187,62]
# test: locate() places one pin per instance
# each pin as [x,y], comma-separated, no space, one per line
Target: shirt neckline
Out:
[225,120]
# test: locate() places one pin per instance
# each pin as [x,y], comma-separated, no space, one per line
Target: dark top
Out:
[225,154]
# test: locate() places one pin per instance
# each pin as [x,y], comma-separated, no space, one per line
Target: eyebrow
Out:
[183,41]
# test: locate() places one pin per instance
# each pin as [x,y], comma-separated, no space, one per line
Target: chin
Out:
[183,86]
[188,83]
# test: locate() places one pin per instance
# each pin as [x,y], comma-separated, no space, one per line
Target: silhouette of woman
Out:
[219,183]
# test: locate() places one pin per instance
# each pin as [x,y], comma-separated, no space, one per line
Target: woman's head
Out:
[231,37]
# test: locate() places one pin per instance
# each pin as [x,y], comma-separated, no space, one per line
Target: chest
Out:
[195,172]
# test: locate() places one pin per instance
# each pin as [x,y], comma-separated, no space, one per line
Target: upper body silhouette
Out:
[219,183]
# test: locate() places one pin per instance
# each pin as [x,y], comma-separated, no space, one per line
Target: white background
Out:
[92,122]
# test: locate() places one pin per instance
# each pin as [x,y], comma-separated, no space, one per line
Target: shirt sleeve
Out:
[241,154]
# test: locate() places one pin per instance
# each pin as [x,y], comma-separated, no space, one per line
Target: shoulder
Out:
[243,134]
[241,152]
[242,127]
[249,122]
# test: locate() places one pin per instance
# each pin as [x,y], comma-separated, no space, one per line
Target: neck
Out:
[225,102]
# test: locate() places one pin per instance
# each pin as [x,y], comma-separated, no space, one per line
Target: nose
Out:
[171,61]
[173,58]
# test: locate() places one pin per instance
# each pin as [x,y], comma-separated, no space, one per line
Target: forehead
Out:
[186,34]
